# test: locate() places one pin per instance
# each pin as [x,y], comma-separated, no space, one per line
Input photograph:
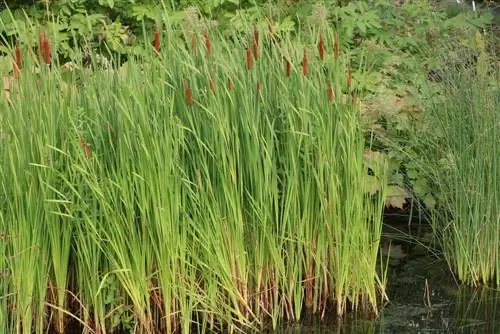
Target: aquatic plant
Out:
[162,205]
[460,157]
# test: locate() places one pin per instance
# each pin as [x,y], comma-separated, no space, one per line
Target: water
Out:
[424,298]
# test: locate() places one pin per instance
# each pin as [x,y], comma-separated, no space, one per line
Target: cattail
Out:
[18,61]
[212,83]
[46,49]
[41,51]
[208,45]
[230,85]
[86,148]
[331,96]
[336,50]
[249,59]
[189,96]
[255,42]
[353,97]
[321,47]
[157,40]
[349,77]
[305,65]
[193,42]
[288,68]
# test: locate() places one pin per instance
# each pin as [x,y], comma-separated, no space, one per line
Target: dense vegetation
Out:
[226,165]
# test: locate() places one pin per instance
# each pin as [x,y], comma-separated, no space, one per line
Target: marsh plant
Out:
[461,157]
[212,183]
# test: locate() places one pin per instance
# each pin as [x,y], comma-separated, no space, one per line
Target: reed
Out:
[461,158]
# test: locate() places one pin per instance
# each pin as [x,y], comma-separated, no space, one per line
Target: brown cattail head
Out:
[331,96]
[212,83]
[18,65]
[255,42]
[288,68]
[86,148]
[157,40]
[305,64]
[193,42]
[249,59]
[349,77]
[208,45]
[189,96]
[46,49]
[321,47]
[336,49]
[230,85]
[353,97]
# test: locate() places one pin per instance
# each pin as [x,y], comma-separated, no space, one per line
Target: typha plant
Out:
[208,44]
[46,50]
[255,43]
[157,40]
[321,47]
[240,208]
[305,63]
[18,61]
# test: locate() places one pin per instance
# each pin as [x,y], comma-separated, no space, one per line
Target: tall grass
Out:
[461,156]
[157,196]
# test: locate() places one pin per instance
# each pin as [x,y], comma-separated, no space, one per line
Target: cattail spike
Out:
[212,83]
[255,42]
[305,65]
[208,45]
[157,40]
[46,49]
[86,148]
[331,95]
[249,59]
[321,47]
[230,85]
[18,64]
[288,68]
[189,96]
[193,42]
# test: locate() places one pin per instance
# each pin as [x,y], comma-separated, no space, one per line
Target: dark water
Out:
[424,295]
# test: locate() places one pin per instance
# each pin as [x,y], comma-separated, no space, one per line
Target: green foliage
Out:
[390,49]
[177,199]
[459,154]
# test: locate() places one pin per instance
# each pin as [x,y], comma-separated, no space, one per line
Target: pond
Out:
[424,295]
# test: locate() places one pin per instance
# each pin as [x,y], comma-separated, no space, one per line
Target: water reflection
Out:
[424,298]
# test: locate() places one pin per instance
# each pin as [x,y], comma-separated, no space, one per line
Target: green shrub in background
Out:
[394,44]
